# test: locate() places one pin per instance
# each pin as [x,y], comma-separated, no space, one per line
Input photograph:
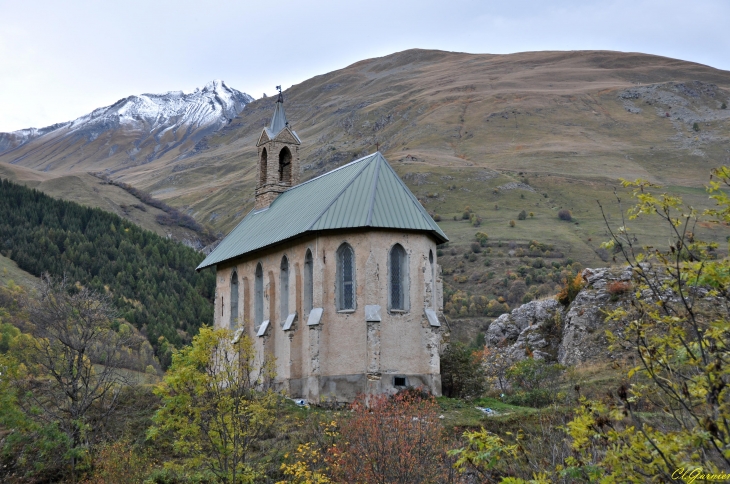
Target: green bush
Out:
[522,215]
[535,381]
[482,238]
[696,126]
[461,372]
[534,398]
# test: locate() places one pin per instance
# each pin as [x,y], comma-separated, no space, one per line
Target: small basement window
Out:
[399,381]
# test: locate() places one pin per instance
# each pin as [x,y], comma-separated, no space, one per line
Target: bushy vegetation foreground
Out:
[70,413]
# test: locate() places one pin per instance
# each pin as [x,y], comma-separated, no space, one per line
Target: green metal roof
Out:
[364,193]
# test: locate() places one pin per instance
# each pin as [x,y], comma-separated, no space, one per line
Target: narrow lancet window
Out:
[345,277]
[308,283]
[234,300]
[258,304]
[285,166]
[284,289]
[433,279]
[398,291]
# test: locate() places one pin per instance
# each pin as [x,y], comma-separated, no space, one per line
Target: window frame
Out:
[308,286]
[284,288]
[432,266]
[258,303]
[404,286]
[285,169]
[341,284]
[235,300]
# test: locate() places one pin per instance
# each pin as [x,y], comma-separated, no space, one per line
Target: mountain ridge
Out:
[584,115]
[150,124]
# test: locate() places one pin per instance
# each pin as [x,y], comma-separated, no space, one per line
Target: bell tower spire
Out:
[278,157]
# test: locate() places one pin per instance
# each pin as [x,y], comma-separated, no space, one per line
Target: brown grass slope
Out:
[557,113]
[534,131]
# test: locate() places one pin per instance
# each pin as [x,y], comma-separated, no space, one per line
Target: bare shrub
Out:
[616,288]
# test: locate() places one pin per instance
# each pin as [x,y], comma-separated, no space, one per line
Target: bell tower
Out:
[278,157]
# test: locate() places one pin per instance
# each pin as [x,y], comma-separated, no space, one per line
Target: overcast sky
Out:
[60,60]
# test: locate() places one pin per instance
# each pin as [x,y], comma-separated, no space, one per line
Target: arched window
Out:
[262,167]
[258,304]
[308,283]
[284,289]
[345,278]
[234,300]
[433,279]
[398,278]
[285,166]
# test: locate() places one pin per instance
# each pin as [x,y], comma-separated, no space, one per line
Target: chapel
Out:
[336,277]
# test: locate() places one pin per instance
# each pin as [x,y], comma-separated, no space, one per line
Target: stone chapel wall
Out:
[344,354]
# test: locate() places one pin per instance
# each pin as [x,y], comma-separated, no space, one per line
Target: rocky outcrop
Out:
[571,335]
[530,329]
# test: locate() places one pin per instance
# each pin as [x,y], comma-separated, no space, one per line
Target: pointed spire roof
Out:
[364,193]
[278,124]
[278,121]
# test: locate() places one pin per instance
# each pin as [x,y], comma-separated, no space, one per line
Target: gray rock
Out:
[571,335]
[526,329]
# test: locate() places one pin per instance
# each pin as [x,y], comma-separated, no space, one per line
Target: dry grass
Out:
[9,271]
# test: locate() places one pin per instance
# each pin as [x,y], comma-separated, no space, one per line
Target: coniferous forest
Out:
[152,280]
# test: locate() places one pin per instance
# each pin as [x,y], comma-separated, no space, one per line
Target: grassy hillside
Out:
[9,271]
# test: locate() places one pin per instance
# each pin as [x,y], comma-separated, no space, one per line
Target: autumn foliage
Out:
[570,290]
[616,288]
[394,439]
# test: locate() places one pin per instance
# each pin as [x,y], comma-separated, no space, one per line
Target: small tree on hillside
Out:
[217,405]
[72,362]
[679,327]
[565,214]
[462,375]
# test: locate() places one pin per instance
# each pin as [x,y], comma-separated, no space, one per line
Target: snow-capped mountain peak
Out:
[168,120]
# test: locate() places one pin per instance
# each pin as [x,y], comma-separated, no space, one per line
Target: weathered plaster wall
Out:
[343,355]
